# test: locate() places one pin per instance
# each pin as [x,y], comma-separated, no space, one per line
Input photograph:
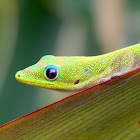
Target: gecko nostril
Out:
[18,75]
[76,82]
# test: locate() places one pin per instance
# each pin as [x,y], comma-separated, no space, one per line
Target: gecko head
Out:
[40,74]
[57,73]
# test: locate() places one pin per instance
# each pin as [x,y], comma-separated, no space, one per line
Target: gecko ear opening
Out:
[76,82]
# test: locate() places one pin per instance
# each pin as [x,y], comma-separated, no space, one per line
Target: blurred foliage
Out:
[31,29]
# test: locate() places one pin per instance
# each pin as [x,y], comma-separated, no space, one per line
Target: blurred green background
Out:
[30,29]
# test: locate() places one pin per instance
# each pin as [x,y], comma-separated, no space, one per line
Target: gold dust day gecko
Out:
[76,73]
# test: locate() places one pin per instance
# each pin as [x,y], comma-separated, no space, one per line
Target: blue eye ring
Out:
[51,72]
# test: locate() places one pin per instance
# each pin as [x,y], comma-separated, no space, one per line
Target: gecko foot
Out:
[104,80]
[115,75]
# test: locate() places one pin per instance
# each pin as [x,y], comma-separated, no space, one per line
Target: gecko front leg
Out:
[121,64]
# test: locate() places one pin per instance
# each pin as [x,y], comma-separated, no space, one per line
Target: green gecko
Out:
[76,73]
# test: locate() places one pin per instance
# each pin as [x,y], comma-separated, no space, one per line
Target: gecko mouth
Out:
[24,78]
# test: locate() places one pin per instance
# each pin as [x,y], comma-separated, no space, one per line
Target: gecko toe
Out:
[115,75]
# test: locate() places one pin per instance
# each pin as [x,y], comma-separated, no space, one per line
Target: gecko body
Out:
[75,73]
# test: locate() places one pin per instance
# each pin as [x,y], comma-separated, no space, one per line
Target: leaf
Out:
[110,110]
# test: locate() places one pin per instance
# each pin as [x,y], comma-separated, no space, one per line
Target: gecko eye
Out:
[51,72]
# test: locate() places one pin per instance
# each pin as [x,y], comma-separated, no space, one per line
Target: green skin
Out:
[78,73]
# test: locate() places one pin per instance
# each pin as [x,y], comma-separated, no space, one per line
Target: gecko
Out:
[76,73]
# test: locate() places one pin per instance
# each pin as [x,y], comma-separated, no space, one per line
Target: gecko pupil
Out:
[51,73]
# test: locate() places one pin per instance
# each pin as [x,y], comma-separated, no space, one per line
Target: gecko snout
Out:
[18,75]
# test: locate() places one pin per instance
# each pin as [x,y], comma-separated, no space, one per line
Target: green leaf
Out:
[110,110]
